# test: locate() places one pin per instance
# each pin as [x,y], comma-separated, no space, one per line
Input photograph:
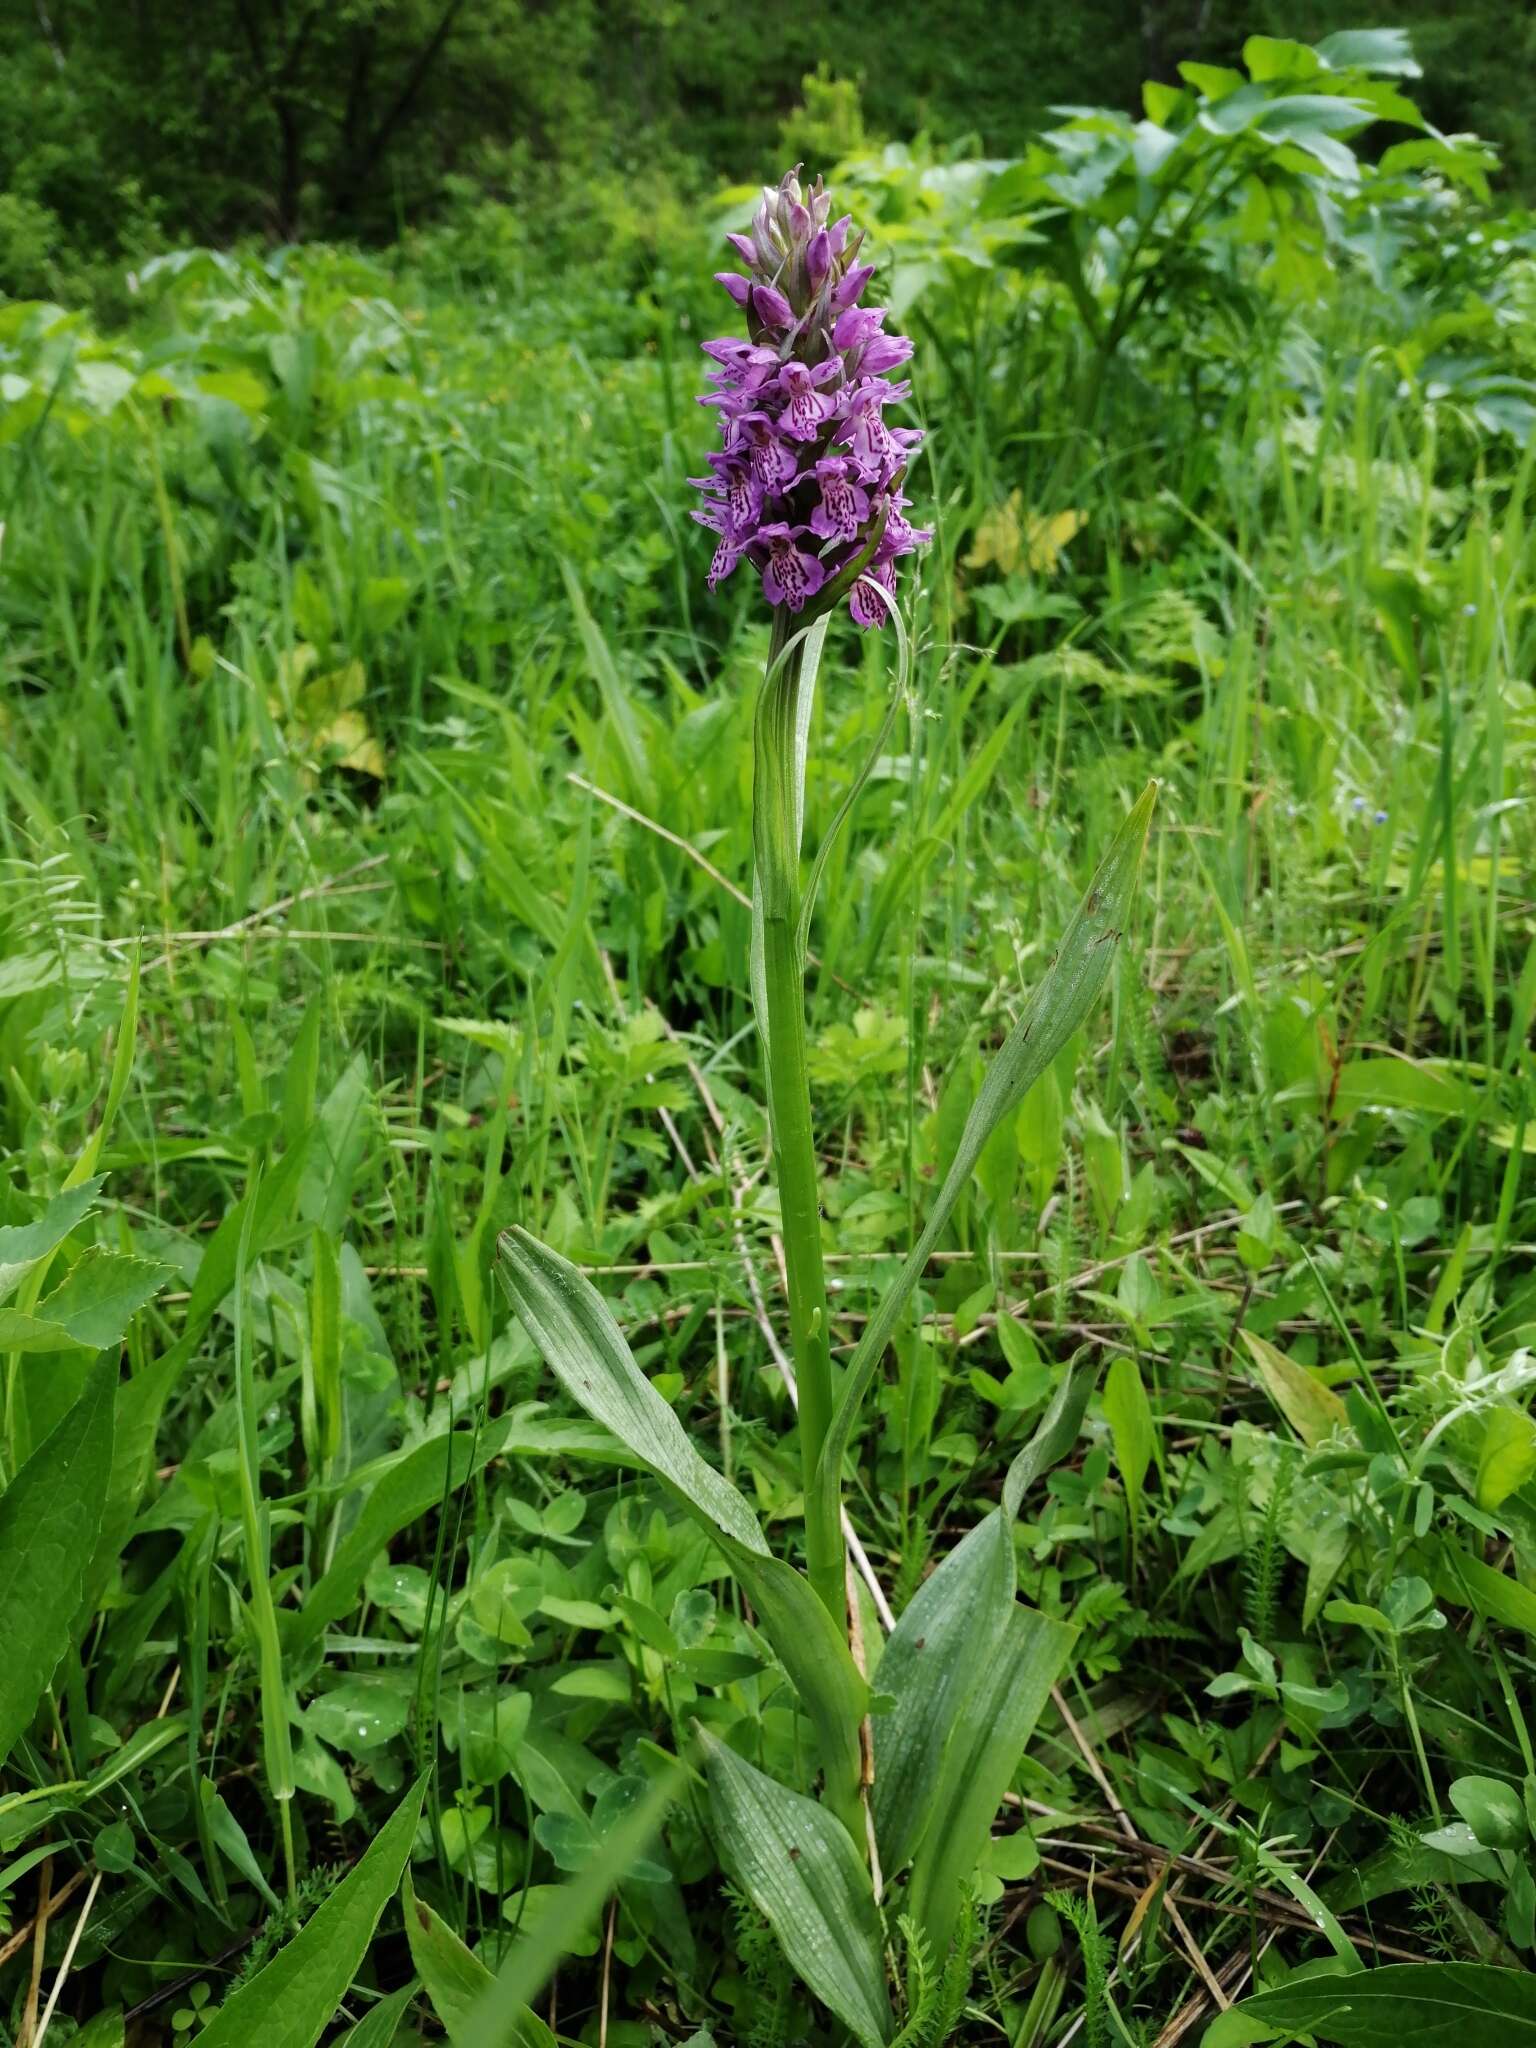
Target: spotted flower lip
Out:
[806,485]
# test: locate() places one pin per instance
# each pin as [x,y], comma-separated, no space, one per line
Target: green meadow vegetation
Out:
[398,1644]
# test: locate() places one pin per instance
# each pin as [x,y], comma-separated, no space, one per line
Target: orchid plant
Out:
[807,488]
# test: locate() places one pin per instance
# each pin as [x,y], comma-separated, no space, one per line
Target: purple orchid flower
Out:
[843,507]
[802,398]
[790,575]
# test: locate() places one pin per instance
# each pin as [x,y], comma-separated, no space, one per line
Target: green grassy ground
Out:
[359,683]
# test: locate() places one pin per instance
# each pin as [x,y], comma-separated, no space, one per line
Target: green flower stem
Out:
[776,801]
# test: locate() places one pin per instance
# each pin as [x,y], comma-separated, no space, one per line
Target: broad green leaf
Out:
[1431,2005]
[23,1244]
[801,1871]
[1129,1414]
[945,1642]
[563,1919]
[1388,51]
[1468,1582]
[90,1308]
[946,1638]
[1314,1411]
[456,1980]
[1507,1458]
[291,2002]
[1493,1811]
[1061,1004]
[980,1762]
[49,1516]
[585,1349]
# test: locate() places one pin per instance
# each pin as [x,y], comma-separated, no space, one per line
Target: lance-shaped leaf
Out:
[801,1871]
[456,1980]
[1433,2005]
[946,1642]
[1060,1006]
[291,2002]
[49,1516]
[585,1349]
[980,1761]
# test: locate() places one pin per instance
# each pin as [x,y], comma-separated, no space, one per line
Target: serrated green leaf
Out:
[90,1308]
[291,2002]
[49,1516]
[804,1875]
[23,1244]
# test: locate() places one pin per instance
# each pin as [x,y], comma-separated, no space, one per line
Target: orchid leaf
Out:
[804,1875]
[980,1760]
[585,1349]
[49,1517]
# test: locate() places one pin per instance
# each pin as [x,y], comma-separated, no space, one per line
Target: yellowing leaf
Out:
[1313,1410]
[998,538]
[1048,535]
[320,715]
[1009,539]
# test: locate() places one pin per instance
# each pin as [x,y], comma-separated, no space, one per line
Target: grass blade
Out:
[1062,1003]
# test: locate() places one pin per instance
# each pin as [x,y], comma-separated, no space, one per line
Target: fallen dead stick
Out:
[1257,1908]
[18,1941]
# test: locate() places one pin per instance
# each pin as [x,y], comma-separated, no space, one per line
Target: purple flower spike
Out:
[806,449]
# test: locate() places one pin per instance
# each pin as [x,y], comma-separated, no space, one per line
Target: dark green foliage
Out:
[125,128]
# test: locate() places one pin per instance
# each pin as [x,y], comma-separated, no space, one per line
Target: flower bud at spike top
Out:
[806,483]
